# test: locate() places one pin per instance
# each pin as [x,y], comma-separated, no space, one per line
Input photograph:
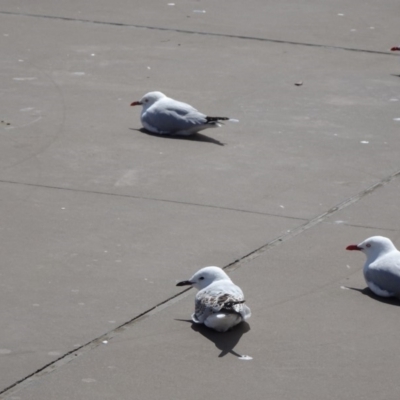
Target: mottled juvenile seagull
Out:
[219,304]
[166,116]
[382,268]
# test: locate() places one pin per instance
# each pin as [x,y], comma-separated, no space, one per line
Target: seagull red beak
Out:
[395,48]
[136,103]
[353,247]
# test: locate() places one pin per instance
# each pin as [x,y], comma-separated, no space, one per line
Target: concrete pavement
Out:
[99,220]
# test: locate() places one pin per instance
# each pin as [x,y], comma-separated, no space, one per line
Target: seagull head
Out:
[149,99]
[373,246]
[205,277]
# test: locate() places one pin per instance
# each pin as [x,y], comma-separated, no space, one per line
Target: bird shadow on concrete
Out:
[393,301]
[196,137]
[224,341]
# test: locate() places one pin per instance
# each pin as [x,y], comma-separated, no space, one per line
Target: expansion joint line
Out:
[311,223]
[187,31]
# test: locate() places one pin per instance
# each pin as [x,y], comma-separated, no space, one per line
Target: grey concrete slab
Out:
[277,158]
[76,265]
[309,336]
[336,23]
[379,212]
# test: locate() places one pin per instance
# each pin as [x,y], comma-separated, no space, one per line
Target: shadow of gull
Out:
[197,137]
[393,301]
[224,341]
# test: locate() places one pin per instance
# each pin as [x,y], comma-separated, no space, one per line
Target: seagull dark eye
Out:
[368,245]
[201,278]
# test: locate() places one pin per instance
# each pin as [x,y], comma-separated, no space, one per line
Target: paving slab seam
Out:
[320,218]
[364,226]
[92,344]
[149,199]
[105,338]
[225,35]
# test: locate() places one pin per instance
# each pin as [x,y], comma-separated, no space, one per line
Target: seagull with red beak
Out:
[165,116]
[382,268]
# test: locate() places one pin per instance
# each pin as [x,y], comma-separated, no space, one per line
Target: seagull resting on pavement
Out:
[382,268]
[219,304]
[166,116]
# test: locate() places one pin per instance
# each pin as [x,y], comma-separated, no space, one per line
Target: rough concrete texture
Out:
[99,219]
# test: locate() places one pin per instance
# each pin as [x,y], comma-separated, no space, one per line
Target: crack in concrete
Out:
[364,226]
[224,35]
[320,218]
[131,196]
[92,344]
[71,355]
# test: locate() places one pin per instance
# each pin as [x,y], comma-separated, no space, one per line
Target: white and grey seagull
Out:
[219,304]
[382,268]
[166,116]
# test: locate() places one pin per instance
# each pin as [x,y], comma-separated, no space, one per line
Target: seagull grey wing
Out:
[387,278]
[202,309]
[234,302]
[170,116]
[226,298]
[170,121]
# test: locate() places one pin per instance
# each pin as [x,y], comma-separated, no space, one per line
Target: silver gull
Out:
[382,268]
[219,304]
[166,116]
